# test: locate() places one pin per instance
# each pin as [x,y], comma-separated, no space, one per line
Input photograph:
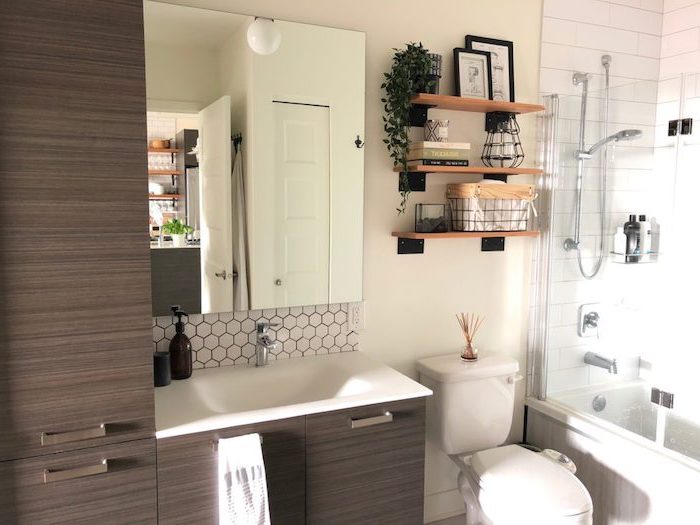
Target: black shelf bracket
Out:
[496,176]
[493,244]
[415,180]
[418,115]
[410,246]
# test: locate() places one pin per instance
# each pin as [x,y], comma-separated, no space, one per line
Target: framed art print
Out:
[472,73]
[502,70]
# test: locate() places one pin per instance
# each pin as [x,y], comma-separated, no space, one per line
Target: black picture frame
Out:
[487,73]
[469,42]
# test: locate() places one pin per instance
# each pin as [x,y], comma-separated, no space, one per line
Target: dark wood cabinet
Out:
[187,473]
[370,474]
[114,484]
[75,315]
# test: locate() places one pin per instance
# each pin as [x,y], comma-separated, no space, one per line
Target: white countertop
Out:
[231,396]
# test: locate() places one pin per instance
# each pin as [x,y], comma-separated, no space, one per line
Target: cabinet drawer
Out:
[187,473]
[109,485]
[372,473]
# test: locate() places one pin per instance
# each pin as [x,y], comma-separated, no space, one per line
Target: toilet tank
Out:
[471,407]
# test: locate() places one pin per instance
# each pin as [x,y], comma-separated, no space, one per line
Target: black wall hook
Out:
[358,143]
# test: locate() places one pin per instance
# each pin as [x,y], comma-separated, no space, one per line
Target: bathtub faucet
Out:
[591,358]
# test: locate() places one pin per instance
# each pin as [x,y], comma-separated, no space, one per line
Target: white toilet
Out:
[469,416]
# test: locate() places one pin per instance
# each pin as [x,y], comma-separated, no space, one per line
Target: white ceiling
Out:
[181,26]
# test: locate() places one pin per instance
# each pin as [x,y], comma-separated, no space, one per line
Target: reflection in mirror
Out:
[255,181]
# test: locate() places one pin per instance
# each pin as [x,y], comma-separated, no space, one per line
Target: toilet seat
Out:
[514,485]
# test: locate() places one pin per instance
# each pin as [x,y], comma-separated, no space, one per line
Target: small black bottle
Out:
[633,232]
[180,349]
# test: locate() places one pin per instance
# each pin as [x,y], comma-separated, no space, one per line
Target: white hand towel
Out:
[242,482]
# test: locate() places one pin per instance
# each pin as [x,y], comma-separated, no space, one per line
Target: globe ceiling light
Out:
[264,36]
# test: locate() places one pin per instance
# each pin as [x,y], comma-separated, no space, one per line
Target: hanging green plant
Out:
[410,74]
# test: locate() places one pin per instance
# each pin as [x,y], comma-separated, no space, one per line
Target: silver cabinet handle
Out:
[222,274]
[79,472]
[56,438]
[386,417]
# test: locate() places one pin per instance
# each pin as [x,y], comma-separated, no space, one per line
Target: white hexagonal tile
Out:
[347,348]
[255,314]
[282,312]
[211,318]
[226,340]
[218,354]
[328,318]
[321,308]
[328,341]
[302,320]
[197,365]
[334,349]
[190,330]
[334,329]
[227,362]
[233,352]
[203,330]
[290,345]
[316,342]
[296,333]
[225,316]
[211,342]
[248,350]
[296,353]
[309,332]
[248,325]
[277,320]
[240,339]
[315,319]
[341,317]
[282,334]
[353,338]
[197,342]
[241,360]
[158,333]
[321,330]
[308,310]
[204,355]
[240,316]
[170,332]
[211,364]
[290,322]
[233,326]
[164,321]
[333,308]
[303,344]
[341,339]
[218,328]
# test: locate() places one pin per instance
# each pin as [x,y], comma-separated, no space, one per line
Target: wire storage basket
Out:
[479,207]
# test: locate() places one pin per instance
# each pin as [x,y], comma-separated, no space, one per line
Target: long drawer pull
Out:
[386,417]
[56,438]
[80,472]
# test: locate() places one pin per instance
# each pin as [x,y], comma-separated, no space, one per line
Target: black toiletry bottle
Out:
[633,232]
[180,349]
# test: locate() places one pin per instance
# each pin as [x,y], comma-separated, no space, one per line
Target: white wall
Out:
[680,45]
[411,300]
[574,36]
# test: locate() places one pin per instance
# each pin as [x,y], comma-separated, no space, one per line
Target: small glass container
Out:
[470,353]
[431,218]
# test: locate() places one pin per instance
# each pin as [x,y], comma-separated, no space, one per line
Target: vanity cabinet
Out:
[188,466]
[372,473]
[363,465]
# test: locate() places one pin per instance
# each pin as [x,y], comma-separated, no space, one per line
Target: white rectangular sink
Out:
[231,396]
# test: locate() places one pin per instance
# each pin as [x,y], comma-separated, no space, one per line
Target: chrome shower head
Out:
[625,134]
[580,78]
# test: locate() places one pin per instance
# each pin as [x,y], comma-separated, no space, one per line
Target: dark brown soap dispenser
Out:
[180,348]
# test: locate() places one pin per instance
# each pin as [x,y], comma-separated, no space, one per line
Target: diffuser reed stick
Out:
[470,324]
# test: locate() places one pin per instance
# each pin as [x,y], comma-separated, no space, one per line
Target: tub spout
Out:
[593,359]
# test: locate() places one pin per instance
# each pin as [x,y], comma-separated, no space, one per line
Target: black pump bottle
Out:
[180,348]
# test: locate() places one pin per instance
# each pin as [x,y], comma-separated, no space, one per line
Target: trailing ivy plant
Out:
[176,227]
[410,74]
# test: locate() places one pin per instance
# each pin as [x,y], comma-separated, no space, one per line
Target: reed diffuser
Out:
[470,324]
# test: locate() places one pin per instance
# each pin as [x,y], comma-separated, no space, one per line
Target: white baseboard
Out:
[443,505]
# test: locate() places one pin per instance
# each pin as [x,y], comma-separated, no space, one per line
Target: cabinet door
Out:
[75,351]
[187,473]
[370,474]
[109,485]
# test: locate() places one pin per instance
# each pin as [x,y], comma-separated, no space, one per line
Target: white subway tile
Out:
[674,66]
[652,5]
[566,379]
[557,31]
[681,42]
[607,38]
[649,46]
[681,19]
[635,19]
[591,11]
[672,5]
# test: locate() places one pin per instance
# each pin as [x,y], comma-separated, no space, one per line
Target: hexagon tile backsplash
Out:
[228,339]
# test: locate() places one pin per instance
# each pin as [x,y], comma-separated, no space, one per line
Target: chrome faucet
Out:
[591,358]
[264,343]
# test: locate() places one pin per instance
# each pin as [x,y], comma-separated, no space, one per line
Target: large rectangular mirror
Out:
[255,178]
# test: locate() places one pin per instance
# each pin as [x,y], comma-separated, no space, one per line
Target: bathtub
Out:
[641,463]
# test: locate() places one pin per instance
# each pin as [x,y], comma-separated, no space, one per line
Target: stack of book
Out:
[438,154]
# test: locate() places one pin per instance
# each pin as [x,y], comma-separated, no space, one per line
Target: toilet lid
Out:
[514,478]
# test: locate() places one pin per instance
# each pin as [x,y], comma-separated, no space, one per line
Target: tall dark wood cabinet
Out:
[76,397]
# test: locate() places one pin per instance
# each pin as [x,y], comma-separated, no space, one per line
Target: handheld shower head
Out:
[580,78]
[625,134]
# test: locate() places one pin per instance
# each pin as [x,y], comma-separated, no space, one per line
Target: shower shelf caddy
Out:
[410,242]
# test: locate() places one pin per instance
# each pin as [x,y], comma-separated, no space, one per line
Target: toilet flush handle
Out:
[514,379]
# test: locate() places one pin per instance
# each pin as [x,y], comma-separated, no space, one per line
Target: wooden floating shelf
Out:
[474,105]
[463,235]
[164,150]
[164,197]
[165,172]
[485,170]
